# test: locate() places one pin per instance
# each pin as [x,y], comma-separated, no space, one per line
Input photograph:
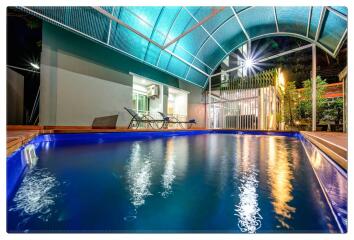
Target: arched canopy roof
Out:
[190,42]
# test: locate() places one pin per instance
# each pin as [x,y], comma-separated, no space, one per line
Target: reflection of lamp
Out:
[247,209]
[139,175]
[280,176]
[168,175]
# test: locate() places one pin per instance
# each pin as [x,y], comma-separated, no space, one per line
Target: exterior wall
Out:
[74,91]
[14,97]
[196,103]
[156,104]
[165,99]
[81,80]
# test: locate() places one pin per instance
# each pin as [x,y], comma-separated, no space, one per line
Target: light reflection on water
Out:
[168,175]
[139,175]
[37,194]
[247,210]
[280,176]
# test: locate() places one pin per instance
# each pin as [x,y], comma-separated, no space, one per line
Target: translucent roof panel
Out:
[258,20]
[292,19]
[230,34]
[190,42]
[343,10]
[314,21]
[333,28]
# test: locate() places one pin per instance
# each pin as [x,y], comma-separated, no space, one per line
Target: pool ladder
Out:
[30,155]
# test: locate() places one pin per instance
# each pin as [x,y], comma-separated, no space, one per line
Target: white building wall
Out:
[74,91]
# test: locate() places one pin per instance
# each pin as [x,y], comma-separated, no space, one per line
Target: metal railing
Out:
[244,102]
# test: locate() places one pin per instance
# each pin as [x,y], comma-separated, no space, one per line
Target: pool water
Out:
[200,183]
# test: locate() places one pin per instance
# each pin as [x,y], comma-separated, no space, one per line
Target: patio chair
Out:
[105,122]
[170,119]
[137,120]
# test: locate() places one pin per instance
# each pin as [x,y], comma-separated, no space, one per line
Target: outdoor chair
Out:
[138,120]
[173,120]
[105,122]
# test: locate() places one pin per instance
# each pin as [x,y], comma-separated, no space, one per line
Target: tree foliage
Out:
[304,107]
[333,111]
[290,101]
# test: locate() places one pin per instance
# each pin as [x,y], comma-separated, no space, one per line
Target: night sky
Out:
[24,35]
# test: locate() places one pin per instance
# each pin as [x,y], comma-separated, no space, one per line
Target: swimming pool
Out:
[192,181]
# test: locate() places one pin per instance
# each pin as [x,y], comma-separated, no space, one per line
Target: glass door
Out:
[140,102]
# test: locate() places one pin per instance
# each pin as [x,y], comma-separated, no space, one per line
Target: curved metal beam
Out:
[275,18]
[176,45]
[222,24]
[206,40]
[320,22]
[339,45]
[274,34]
[267,58]
[240,23]
[168,32]
[309,21]
[339,14]
[201,25]
[153,30]
[213,14]
[110,26]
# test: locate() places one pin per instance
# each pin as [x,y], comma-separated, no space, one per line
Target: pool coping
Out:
[24,134]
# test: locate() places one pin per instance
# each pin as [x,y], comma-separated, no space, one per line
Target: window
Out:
[140,102]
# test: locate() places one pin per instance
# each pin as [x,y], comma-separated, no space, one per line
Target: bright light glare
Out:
[34,65]
[249,63]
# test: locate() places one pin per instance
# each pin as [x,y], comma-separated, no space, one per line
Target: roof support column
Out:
[209,103]
[314,87]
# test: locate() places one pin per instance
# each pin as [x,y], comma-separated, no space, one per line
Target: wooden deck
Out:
[18,135]
[17,138]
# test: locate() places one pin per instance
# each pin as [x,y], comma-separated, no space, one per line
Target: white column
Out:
[209,103]
[314,88]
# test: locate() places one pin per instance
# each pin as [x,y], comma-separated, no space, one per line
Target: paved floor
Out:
[333,144]
[337,138]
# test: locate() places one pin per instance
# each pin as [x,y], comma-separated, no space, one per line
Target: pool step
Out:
[334,151]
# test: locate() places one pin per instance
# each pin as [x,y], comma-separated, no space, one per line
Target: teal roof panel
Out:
[258,20]
[190,42]
[293,19]
[333,28]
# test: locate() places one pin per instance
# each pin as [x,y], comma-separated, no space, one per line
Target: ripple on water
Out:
[247,210]
[36,195]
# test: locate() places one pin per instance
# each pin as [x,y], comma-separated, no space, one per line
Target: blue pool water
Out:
[200,183]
